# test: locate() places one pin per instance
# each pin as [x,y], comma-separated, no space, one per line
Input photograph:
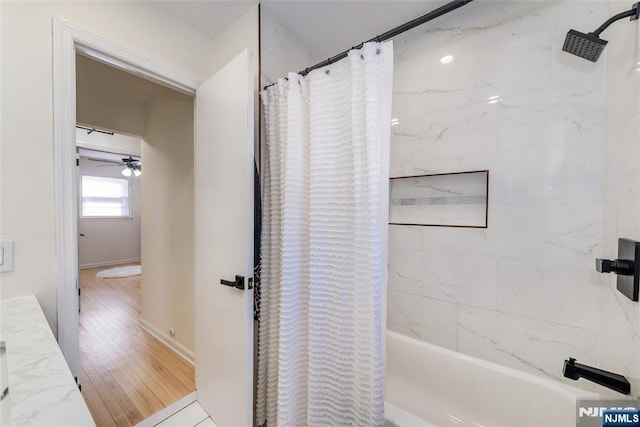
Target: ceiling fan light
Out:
[137,172]
[126,172]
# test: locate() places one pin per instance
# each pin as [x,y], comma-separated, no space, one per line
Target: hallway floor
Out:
[126,374]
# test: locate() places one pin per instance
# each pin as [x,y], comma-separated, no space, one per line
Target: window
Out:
[104,197]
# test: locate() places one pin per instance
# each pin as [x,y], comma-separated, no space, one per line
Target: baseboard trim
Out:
[174,345]
[109,263]
[165,413]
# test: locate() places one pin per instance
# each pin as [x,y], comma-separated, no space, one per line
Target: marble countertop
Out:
[42,391]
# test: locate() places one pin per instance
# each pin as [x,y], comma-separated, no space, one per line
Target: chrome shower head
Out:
[587,46]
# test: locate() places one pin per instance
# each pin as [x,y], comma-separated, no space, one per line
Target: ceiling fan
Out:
[132,166]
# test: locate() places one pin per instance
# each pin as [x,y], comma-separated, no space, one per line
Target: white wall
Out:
[167,218]
[523,292]
[27,211]
[109,241]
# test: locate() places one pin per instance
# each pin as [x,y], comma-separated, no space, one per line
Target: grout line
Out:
[202,421]
[459,304]
[169,411]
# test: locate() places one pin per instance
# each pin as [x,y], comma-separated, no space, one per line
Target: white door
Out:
[80,235]
[224,145]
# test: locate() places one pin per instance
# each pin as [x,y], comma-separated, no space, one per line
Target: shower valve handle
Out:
[617,266]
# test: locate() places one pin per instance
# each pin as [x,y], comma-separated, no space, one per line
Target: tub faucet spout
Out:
[607,379]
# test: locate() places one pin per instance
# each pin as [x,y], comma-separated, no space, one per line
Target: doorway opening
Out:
[135,209]
[222,175]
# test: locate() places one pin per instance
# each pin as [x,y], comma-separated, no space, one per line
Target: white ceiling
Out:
[327,28]
[210,17]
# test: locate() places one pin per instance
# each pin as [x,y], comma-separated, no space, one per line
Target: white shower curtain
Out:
[324,244]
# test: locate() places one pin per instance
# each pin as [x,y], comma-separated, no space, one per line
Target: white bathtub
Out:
[427,385]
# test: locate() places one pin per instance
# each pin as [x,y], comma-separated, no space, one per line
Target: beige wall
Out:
[110,143]
[164,228]
[107,241]
[114,112]
[26,135]
[167,218]
[241,35]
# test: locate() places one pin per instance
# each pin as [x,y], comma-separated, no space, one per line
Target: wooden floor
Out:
[126,374]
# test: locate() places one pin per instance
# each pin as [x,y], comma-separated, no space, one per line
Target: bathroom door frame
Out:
[69,39]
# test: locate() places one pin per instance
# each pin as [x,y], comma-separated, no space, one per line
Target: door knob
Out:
[238,283]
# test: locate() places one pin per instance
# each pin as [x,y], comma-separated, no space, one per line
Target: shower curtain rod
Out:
[442,10]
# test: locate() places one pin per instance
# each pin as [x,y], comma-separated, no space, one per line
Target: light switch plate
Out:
[6,247]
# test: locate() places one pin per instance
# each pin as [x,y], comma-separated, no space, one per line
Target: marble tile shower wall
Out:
[619,345]
[523,292]
[563,147]
[281,51]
